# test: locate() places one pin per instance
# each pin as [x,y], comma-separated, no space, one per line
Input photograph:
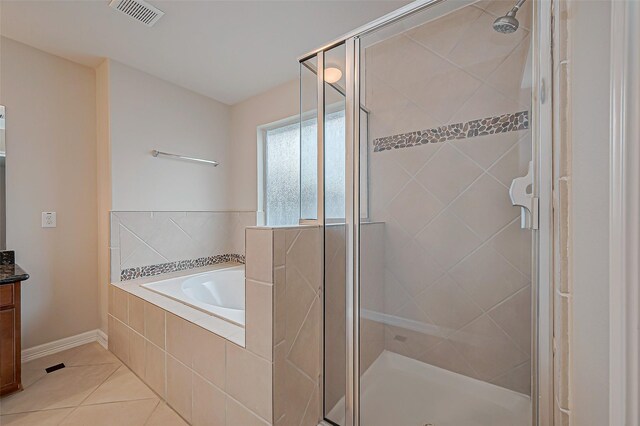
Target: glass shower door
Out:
[445,268]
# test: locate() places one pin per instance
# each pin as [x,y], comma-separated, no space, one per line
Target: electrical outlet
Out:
[48,219]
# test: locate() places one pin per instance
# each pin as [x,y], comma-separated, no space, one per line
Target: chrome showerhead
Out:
[508,23]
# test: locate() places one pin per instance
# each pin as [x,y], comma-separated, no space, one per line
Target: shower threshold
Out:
[401,391]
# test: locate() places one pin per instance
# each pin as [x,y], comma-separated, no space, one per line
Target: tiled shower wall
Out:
[284,271]
[455,259]
[372,333]
[144,239]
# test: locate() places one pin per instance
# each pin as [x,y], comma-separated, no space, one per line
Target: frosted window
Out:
[291,175]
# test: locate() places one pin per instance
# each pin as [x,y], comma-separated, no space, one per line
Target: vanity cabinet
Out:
[10,378]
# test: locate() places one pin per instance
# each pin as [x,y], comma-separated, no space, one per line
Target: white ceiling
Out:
[227,50]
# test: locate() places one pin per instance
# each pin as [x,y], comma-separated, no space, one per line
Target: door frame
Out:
[541,126]
[624,214]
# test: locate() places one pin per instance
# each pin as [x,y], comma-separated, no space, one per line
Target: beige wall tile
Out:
[514,163]
[154,324]
[121,305]
[299,390]
[118,339]
[299,297]
[209,358]
[279,247]
[517,379]
[414,207]
[312,413]
[259,318]
[305,255]
[446,356]
[180,343]
[111,302]
[305,350]
[514,243]
[136,313]
[279,305]
[447,305]
[372,343]
[442,34]
[279,380]
[485,207]
[487,348]
[485,150]
[448,240]
[487,277]
[237,414]
[448,173]
[259,257]
[514,317]
[179,387]
[208,404]
[136,352]
[249,380]
[155,368]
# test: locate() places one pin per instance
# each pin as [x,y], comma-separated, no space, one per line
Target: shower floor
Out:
[400,391]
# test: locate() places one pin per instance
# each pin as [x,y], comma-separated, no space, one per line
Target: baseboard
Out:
[56,346]
[103,339]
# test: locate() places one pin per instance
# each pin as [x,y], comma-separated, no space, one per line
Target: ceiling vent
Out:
[139,10]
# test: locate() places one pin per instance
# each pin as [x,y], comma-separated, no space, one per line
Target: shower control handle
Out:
[518,192]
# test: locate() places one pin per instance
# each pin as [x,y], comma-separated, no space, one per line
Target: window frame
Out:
[262,130]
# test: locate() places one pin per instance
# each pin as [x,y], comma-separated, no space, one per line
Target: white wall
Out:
[104,186]
[147,113]
[278,103]
[51,165]
[589,76]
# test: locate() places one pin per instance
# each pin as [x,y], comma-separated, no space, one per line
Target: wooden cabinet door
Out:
[8,359]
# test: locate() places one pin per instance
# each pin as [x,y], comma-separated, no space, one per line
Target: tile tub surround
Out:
[149,243]
[180,265]
[456,264]
[268,376]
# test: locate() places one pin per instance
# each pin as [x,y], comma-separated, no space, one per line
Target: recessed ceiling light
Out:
[332,75]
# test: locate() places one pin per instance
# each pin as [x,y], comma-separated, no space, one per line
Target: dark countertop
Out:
[12,273]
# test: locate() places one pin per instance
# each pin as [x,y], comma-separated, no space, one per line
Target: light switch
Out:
[48,219]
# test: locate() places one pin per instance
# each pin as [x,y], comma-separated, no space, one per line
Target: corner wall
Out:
[51,166]
[276,104]
[147,113]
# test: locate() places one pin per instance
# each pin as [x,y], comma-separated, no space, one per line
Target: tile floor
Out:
[94,389]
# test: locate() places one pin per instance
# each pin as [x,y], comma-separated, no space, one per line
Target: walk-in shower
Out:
[433,284]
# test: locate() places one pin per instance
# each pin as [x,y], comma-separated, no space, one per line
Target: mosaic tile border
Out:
[483,126]
[181,265]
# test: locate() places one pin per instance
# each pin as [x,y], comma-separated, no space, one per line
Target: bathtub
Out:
[219,292]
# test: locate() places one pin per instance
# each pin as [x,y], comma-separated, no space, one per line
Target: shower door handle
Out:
[527,202]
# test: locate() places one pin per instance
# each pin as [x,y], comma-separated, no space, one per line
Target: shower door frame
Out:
[542,238]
